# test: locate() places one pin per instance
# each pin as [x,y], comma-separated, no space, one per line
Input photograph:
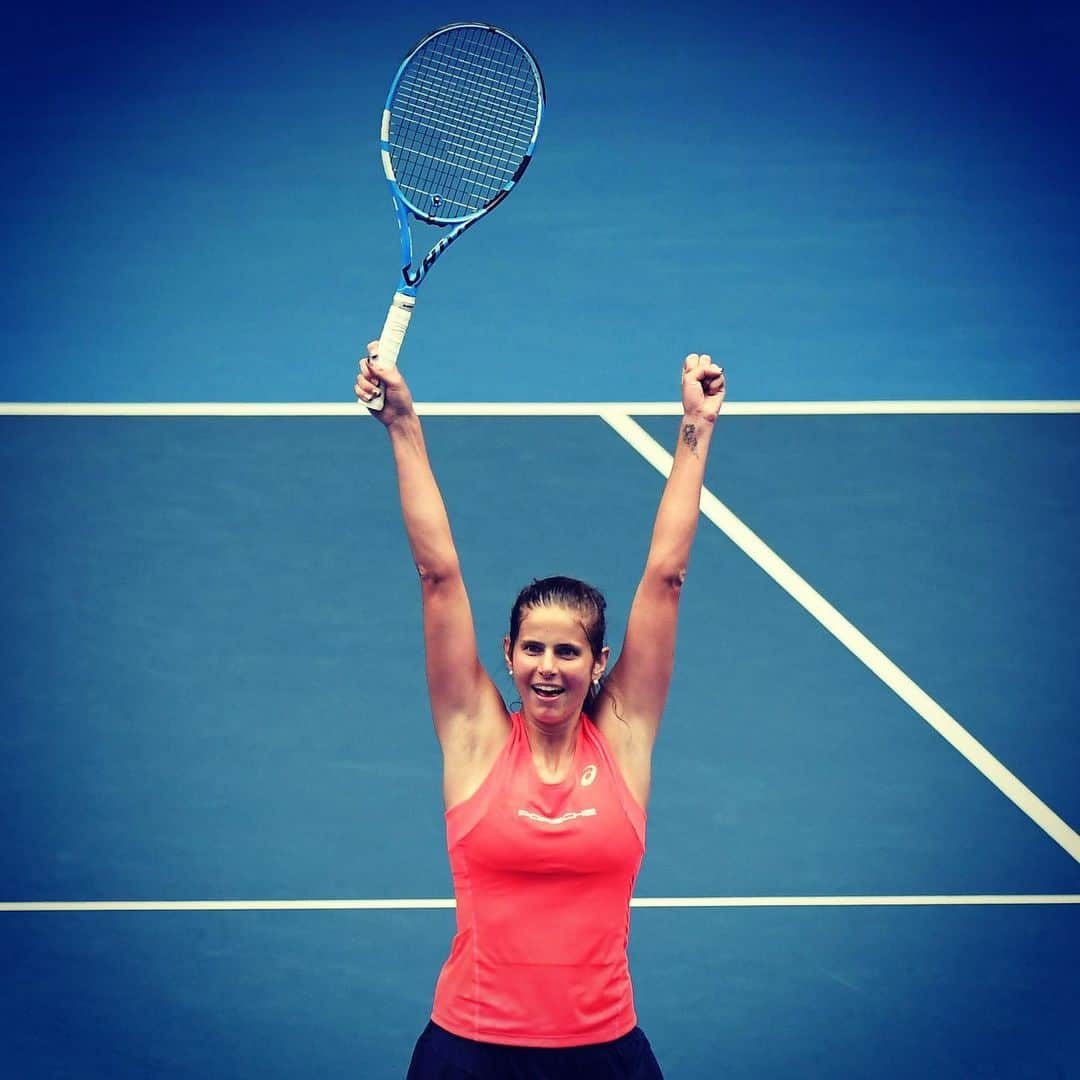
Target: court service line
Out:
[856,642]
[441,903]
[548,409]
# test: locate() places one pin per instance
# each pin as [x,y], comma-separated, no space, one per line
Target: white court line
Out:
[637,901]
[852,639]
[512,408]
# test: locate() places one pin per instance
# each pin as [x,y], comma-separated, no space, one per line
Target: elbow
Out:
[668,576]
[434,576]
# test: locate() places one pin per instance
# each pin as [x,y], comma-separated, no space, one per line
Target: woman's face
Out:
[552,663]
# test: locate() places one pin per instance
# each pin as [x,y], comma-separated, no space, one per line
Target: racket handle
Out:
[391,338]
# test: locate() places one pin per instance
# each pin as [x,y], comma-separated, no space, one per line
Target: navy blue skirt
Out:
[440,1055]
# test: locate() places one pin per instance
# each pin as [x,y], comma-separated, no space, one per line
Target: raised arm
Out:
[636,690]
[463,697]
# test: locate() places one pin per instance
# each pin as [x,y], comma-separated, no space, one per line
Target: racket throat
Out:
[411,277]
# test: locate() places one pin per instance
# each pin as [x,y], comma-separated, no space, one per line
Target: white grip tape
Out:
[391,338]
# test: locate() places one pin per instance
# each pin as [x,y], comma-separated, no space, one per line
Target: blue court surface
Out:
[224,853]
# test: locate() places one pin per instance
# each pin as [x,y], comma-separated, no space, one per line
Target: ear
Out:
[506,651]
[601,662]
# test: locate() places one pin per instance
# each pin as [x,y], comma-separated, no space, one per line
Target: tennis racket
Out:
[458,132]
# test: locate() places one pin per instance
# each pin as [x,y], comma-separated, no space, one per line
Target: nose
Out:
[547,662]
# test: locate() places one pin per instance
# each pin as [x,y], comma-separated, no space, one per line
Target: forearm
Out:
[677,516]
[427,524]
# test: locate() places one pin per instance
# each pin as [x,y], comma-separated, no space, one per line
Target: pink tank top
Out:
[543,875]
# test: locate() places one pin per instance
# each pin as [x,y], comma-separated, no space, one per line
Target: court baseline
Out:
[441,903]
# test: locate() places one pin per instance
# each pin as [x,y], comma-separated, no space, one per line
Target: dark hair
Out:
[570,593]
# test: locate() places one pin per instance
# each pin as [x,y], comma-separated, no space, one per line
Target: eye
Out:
[568,652]
[532,648]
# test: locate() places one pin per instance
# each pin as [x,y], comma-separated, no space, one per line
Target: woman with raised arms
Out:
[545,806]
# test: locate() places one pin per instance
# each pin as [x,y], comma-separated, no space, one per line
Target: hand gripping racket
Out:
[458,132]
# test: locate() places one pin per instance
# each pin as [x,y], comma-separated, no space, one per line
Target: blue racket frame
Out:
[411,278]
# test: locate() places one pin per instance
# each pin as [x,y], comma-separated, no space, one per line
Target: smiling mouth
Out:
[548,692]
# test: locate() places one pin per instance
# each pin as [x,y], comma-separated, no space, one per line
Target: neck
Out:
[552,744]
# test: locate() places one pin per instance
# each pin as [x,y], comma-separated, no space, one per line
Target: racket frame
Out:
[401,307]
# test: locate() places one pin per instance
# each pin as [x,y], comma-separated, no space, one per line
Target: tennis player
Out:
[545,805]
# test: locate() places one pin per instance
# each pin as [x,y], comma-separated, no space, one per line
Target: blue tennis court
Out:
[201,711]
[225,852]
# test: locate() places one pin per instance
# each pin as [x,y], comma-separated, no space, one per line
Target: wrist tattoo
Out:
[689,437]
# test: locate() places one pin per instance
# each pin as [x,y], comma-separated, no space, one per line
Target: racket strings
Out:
[463,119]
[481,77]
